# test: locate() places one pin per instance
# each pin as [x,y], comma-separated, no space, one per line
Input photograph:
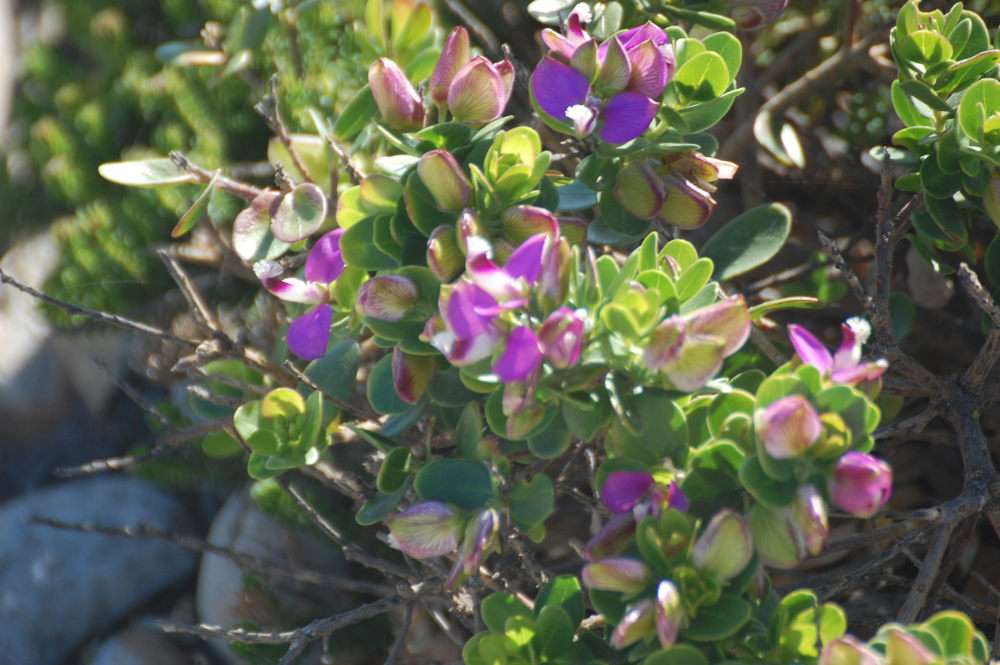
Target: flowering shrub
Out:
[519,306]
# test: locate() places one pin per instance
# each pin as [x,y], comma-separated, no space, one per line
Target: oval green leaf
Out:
[749,240]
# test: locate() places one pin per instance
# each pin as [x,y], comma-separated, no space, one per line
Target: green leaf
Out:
[358,112]
[555,632]
[335,372]
[220,445]
[703,77]
[908,112]
[465,483]
[562,591]
[576,196]
[395,470]
[791,302]
[937,182]
[924,47]
[264,442]
[727,46]
[257,467]
[359,250]
[197,210]
[382,393]
[252,237]
[469,432]
[694,278]
[902,314]
[678,654]
[551,442]
[749,240]
[701,117]
[949,218]
[980,101]
[248,419]
[145,172]
[991,262]
[300,213]
[531,502]
[770,492]
[282,402]
[311,422]
[923,92]
[779,138]
[500,606]
[719,621]
[379,506]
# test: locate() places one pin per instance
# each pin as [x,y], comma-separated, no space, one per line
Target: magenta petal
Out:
[626,116]
[325,263]
[810,350]
[556,87]
[520,357]
[460,314]
[526,261]
[624,489]
[308,335]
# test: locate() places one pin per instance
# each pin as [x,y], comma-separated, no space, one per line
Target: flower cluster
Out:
[612,88]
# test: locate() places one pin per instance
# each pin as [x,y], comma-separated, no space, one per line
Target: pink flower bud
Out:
[480,90]
[686,206]
[479,539]
[426,530]
[397,100]
[725,547]
[860,484]
[905,649]
[453,56]
[669,613]
[753,14]
[411,374]
[386,297]
[788,427]
[522,222]
[617,574]
[638,189]
[612,538]
[561,336]
[809,519]
[639,621]
[444,179]
[444,258]
[849,650]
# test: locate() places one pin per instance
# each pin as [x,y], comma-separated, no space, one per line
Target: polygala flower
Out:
[860,483]
[788,427]
[478,540]
[480,90]
[663,615]
[386,297]
[613,88]
[397,100]
[308,335]
[845,365]
[639,493]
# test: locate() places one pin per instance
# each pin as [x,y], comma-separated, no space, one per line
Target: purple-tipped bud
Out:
[479,91]
[665,342]
[638,189]
[617,574]
[686,206]
[444,179]
[386,297]
[638,622]
[426,530]
[325,262]
[860,484]
[623,490]
[788,427]
[612,538]
[561,336]
[469,226]
[849,650]
[522,222]
[905,649]
[453,56]
[480,537]
[727,319]
[397,100]
[309,334]
[753,14]
[809,519]
[444,257]
[411,374]
[785,536]
[725,547]
[669,613]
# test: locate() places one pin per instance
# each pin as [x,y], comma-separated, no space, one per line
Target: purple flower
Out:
[464,329]
[845,365]
[561,336]
[638,491]
[860,483]
[308,334]
[521,356]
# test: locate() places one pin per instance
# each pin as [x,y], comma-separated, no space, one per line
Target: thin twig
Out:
[103,317]
[242,190]
[310,632]
[482,31]
[397,646]
[251,564]
[203,315]
[975,376]
[928,572]
[269,109]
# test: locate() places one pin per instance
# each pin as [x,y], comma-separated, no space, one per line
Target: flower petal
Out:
[309,334]
[477,94]
[556,87]
[624,489]
[626,116]
[810,350]
[520,357]
[325,263]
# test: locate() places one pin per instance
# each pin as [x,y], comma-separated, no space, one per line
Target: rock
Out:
[223,597]
[140,646]
[57,587]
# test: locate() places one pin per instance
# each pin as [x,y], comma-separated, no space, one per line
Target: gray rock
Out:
[223,597]
[58,588]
